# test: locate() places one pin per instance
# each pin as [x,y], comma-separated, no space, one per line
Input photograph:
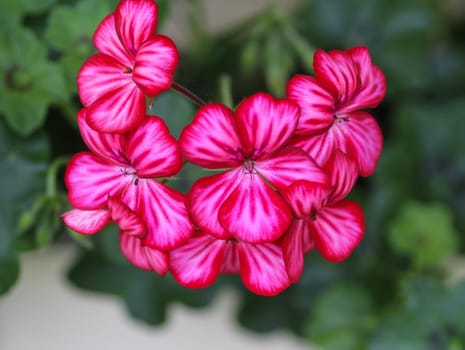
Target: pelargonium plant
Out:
[284,167]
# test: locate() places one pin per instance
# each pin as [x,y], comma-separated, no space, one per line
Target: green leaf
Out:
[9,272]
[70,30]
[341,318]
[31,83]
[424,232]
[22,170]
[147,295]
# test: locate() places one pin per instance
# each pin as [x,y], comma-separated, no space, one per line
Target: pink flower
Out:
[198,263]
[133,62]
[133,230]
[322,219]
[125,166]
[332,104]
[251,142]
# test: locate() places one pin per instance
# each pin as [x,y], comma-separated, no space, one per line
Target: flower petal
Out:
[337,73]
[265,124]
[319,147]
[156,61]
[86,222]
[206,197]
[315,102]
[372,83]
[136,22]
[211,140]
[253,212]
[128,221]
[196,264]
[163,211]
[100,75]
[363,141]
[107,41]
[90,180]
[262,268]
[293,251]
[107,146]
[153,152]
[343,173]
[231,263]
[119,111]
[338,229]
[306,197]
[287,165]
[143,257]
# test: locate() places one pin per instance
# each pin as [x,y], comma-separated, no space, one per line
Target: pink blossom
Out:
[251,142]
[323,220]
[131,236]
[133,62]
[125,166]
[332,104]
[198,262]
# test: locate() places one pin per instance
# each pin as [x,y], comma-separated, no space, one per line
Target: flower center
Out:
[340,118]
[132,173]
[249,166]
[127,70]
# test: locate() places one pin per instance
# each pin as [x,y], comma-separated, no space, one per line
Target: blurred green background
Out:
[402,288]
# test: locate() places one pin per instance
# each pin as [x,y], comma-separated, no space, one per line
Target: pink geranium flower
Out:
[133,62]
[132,233]
[198,262]
[322,218]
[251,142]
[332,103]
[125,166]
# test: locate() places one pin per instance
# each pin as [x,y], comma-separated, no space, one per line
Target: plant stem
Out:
[51,186]
[188,94]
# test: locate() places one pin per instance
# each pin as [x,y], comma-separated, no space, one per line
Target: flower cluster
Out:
[283,166]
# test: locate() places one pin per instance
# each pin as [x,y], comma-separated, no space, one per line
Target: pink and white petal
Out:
[107,146]
[315,102]
[265,124]
[372,82]
[337,72]
[197,263]
[90,180]
[343,173]
[305,197]
[143,257]
[119,111]
[156,61]
[128,221]
[163,211]
[287,165]
[338,229]
[153,152]
[100,75]
[319,147]
[262,268]
[206,197]
[86,222]
[136,22]
[231,263]
[253,212]
[211,140]
[362,139]
[107,41]
[293,251]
